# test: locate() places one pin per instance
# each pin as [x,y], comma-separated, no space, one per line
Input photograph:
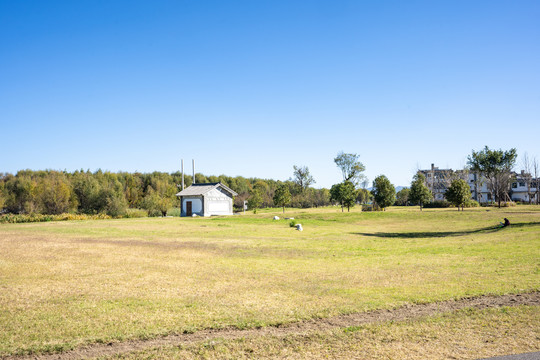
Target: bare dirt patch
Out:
[304,327]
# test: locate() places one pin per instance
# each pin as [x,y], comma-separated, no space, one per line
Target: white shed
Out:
[206,200]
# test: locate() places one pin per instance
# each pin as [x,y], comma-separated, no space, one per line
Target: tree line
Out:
[102,192]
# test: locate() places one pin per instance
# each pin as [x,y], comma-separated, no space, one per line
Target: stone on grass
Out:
[299,227]
[276,217]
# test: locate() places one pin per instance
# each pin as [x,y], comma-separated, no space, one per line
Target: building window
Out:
[514,185]
[521,184]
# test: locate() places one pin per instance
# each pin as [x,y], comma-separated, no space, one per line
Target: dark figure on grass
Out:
[506,223]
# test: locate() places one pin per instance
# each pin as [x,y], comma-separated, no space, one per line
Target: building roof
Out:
[201,189]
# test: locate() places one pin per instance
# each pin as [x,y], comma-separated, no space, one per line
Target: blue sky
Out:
[252,88]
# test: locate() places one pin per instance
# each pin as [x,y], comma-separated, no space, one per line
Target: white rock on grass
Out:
[276,217]
[299,227]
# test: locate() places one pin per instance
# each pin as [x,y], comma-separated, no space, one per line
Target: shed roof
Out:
[201,189]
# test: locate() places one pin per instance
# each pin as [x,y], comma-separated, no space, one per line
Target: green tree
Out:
[383,191]
[458,193]
[344,193]
[2,195]
[420,194]
[21,193]
[351,168]
[364,196]
[282,196]
[111,199]
[402,197]
[133,189]
[155,203]
[87,190]
[302,178]
[255,199]
[55,194]
[496,166]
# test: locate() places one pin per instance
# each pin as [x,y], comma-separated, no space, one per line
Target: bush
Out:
[437,204]
[371,207]
[154,213]
[15,219]
[292,223]
[471,203]
[136,213]
[174,212]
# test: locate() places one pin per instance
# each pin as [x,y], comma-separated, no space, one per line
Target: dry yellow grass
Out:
[70,283]
[467,334]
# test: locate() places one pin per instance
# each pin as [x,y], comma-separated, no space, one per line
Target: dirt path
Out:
[403,313]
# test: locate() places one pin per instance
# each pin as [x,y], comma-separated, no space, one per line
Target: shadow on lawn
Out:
[428,234]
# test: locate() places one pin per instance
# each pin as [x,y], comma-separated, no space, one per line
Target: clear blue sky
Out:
[252,88]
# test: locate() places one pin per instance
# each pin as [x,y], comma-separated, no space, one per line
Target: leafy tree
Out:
[155,203]
[363,196]
[2,195]
[496,166]
[321,197]
[21,191]
[200,179]
[264,190]
[383,191]
[111,199]
[282,196]
[402,197]
[351,168]
[344,193]
[55,194]
[87,190]
[133,189]
[255,199]
[302,177]
[458,193]
[419,193]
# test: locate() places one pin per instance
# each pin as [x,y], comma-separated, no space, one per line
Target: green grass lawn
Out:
[63,284]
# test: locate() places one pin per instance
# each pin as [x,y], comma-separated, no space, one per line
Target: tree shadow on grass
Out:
[429,234]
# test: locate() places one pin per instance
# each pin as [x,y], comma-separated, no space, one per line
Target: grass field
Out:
[63,284]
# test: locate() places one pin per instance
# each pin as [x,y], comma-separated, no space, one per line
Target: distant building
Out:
[438,181]
[524,187]
[206,200]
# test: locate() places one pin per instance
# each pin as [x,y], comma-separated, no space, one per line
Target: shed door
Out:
[189,211]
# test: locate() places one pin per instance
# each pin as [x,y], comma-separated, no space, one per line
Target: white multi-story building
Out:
[523,188]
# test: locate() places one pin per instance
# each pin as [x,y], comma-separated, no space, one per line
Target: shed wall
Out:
[217,202]
[196,205]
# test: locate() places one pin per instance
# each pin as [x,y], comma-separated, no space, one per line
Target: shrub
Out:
[19,218]
[367,207]
[136,213]
[292,223]
[471,203]
[437,204]
[174,212]
[154,213]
